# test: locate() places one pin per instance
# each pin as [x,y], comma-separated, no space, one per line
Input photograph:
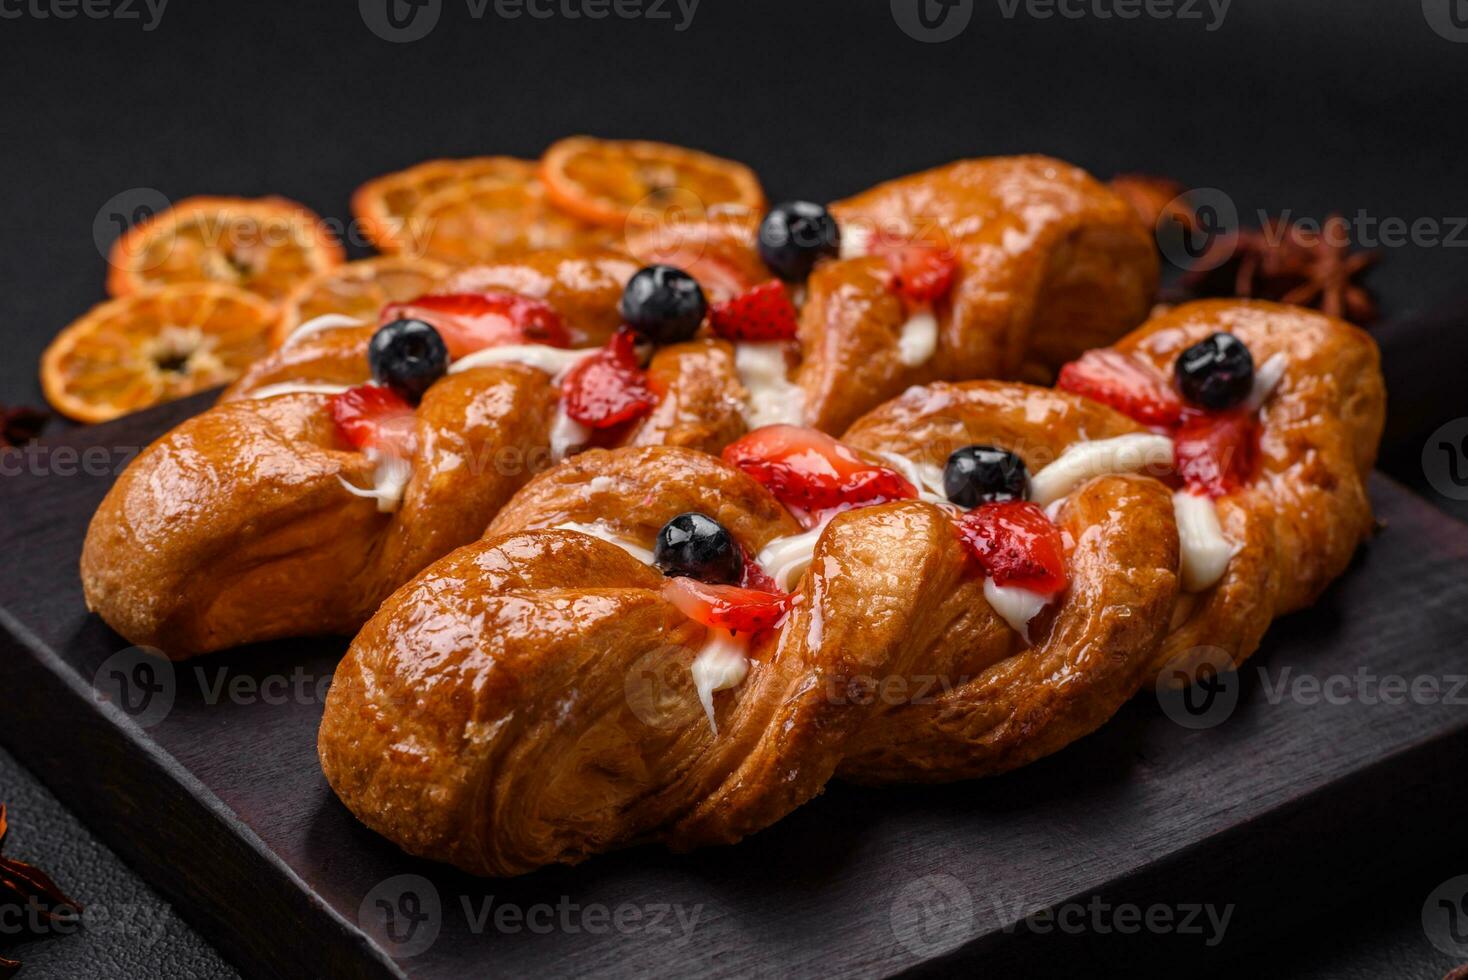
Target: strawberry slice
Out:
[762,313]
[755,577]
[373,417]
[810,470]
[608,387]
[1016,544]
[1125,383]
[921,272]
[468,322]
[729,607]
[1216,452]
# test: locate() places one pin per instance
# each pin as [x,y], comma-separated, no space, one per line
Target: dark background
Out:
[1309,105]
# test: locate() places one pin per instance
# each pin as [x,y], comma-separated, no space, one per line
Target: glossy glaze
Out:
[560,717]
[235,527]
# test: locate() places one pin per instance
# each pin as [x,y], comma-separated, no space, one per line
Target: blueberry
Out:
[407,356]
[700,547]
[984,474]
[663,303]
[1216,372]
[795,234]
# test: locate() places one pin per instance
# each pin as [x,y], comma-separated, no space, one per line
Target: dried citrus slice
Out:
[602,180]
[358,289]
[266,245]
[383,203]
[154,346]
[488,220]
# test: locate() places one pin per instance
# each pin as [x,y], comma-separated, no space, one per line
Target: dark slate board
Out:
[1288,806]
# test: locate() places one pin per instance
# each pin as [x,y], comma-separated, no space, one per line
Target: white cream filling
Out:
[555,361]
[773,399]
[1266,378]
[292,388]
[1135,453]
[786,559]
[927,477]
[1205,551]
[1015,605]
[603,531]
[919,338]
[389,481]
[856,241]
[315,325]
[566,434]
[721,664]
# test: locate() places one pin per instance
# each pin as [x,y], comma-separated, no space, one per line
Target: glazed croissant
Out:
[547,694]
[257,520]
[1049,262]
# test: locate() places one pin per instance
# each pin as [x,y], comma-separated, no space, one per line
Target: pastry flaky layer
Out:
[238,525]
[529,699]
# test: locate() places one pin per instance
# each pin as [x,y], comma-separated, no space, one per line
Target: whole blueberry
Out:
[977,475]
[794,234]
[1217,372]
[698,546]
[408,356]
[663,303]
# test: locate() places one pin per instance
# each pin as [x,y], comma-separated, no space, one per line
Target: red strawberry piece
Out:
[808,469]
[1127,384]
[468,322]
[1016,544]
[608,387]
[921,272]
[373,417]
[729,607]
[1216,452]
[755,577]
[762,313]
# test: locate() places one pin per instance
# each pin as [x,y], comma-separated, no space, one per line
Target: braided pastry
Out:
[263,517]
[618,660]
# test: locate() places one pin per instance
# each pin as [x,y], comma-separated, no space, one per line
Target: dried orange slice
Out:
[602,180]
[383,203]
[266,245]
[154,346]
[488,220]
[358,289]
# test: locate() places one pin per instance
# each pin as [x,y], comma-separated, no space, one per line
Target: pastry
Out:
[311,492]
[656,644]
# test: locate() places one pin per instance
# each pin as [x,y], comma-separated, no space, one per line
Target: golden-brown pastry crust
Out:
[574,753]
[1305,513]
[1050,263]
[562,718]
[234,527]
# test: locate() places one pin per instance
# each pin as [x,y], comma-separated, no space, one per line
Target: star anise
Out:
[1282,261]
[21,424]
[31,888]
[1289,263]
